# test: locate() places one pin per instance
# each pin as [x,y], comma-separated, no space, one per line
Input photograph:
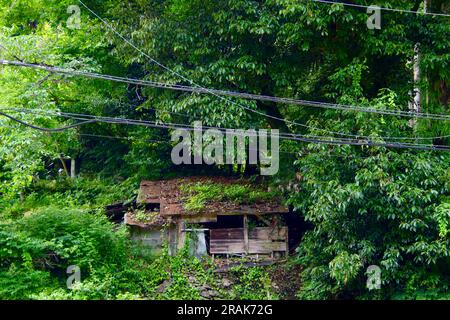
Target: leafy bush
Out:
[253,284]
[40,247]
[20,283]
[92,193]
[80,238]
[387,209]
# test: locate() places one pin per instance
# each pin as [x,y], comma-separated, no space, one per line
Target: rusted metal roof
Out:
[150,192]
[167,193]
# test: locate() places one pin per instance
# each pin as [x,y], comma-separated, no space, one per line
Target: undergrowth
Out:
[36,250]
[82,193]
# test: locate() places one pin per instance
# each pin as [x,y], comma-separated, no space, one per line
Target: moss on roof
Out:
[199,194]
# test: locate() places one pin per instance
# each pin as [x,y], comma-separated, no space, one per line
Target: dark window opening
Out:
[152,207]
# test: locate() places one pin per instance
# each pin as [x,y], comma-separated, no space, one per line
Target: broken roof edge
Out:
[281,210]
[156,223]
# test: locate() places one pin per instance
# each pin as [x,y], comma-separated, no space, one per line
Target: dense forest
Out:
[91,92]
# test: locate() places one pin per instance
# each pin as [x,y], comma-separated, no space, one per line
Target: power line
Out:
[353,156]
[89,135]
[154,141]
[302,138]
[170,142]
[197,85]
[122,138]
[104,136]
[46,129]
[433,116]
[201,90]
[383,8]
[228,93]
[115,120]
[205,90]
[265,98]
[78,116]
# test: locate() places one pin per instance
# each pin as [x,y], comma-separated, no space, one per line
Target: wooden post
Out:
[181,235]
[72,168]
[287,241]
[172,236]
[246,234]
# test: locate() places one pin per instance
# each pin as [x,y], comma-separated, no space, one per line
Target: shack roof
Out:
[171,199]
[154,220]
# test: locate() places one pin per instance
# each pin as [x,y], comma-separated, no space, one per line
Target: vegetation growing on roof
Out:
[199,194]
[146,216]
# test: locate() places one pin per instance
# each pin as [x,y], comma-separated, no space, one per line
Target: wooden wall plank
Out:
[260,241]
[268,233]
[231,233]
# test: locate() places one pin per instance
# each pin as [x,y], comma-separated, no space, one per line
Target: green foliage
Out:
[88,193]
[21,284]
[141,216]
[253,284]
[69,237]
[198,194]
[344,267]
[382,209]
[38,248]
[179,269]
[366,205]
[378,207]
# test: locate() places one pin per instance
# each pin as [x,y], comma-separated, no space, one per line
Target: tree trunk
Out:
[416,93]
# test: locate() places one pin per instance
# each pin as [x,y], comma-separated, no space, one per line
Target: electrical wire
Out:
[88,135]
[183,88]
[211,92]
[170,143]
[347,157]
[324,140]
[115,120]
[47,129]
[383,8]
[307,103]
[205,89]
[78,116]
[216,93]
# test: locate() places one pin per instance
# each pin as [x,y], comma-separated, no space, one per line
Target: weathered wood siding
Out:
[260,241]
[227,241]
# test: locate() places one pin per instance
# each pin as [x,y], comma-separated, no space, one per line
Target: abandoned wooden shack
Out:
[221,227]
